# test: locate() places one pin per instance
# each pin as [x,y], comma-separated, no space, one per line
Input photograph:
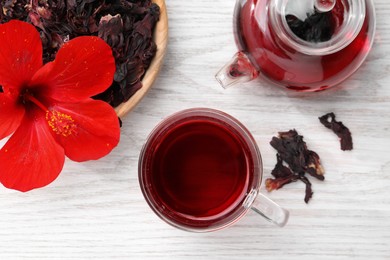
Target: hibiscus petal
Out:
[83,67]
[87,130]
[11,115]
[31,158]
[20,54]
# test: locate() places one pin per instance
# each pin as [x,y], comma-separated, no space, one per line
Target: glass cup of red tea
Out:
[303,45]
[200,170]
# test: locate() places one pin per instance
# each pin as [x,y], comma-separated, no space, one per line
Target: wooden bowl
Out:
[160,36]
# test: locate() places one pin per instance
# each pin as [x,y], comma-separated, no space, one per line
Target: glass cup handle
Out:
[267,208]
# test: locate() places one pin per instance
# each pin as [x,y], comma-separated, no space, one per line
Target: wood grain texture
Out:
[95,210]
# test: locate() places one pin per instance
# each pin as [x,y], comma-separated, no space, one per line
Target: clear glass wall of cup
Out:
[190,190]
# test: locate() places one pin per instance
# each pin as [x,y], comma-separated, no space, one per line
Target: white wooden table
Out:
[95,210]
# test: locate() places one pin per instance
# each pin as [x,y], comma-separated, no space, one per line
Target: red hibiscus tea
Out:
[197,168]
[294,45]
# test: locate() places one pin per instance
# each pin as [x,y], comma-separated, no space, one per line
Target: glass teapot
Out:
[304,45]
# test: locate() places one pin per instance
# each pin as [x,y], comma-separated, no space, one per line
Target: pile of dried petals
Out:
[293,150]
[126,25]
[47,109]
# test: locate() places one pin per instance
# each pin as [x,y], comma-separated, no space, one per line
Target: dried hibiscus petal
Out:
[317,27]
[329,121]
[275,184]
[280,171]
[308,190]
[293,150]
[314,167]
[283,175]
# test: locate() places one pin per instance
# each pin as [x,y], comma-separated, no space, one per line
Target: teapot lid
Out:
[317,27]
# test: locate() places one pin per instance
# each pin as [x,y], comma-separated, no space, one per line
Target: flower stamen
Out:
[60,123]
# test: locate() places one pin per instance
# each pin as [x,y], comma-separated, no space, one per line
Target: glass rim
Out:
[162,127]
[351,27]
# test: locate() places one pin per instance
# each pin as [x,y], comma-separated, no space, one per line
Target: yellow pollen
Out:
[60,123]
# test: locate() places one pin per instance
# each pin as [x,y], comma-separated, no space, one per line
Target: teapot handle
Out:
[238,70]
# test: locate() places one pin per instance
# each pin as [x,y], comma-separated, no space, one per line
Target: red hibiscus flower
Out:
[48,109]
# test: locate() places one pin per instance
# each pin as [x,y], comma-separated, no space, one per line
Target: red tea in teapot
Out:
[299,46]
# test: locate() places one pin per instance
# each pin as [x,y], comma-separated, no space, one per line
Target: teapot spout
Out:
[238,70]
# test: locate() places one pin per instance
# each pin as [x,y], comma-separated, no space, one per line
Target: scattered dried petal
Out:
[314,167]
[281,171]
[339,129]
[275,184]
[283,175]
[293,150]
[308,190]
